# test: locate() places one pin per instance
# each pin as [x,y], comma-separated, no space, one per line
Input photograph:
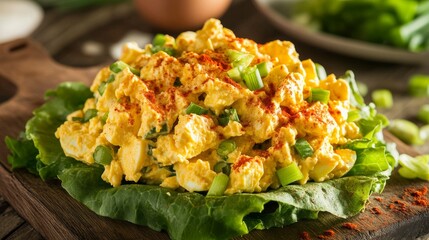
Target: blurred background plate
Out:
[278,12]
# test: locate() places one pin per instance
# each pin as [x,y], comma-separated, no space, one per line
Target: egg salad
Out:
[182,111]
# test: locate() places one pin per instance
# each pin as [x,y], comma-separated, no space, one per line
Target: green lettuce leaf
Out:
[39,150]
[194,216]
[187,215]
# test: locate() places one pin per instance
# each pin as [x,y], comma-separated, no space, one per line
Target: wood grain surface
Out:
[55,215]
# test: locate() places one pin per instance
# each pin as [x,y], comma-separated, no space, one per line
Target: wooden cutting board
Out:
[26,72]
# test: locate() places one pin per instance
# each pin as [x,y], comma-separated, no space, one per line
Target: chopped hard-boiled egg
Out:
[165,113]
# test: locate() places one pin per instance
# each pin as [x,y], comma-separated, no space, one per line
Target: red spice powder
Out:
[376,210]
[304,236]
[241,161]
[350,226]
[379,199]
[418,196]
[327,234]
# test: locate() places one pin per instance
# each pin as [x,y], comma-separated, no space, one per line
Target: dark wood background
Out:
[64,40]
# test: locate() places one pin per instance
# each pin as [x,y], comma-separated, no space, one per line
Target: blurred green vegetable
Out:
[414,167]
[398,23]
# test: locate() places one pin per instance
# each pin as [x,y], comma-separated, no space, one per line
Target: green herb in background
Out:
[399,23]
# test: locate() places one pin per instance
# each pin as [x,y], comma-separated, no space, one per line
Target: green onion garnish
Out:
[319,94]
[414,167]
[103,155]
[196,109]
[382,98]
[90,113]
[289,174]
[252,78]
[229,114]
[353,115]
[159,40]
[264,68]
[303,148]
[222,166]
[118,66]
[154,134]
[234,74]
[423,114]
[219,185]
[320,71]
[102,88]
[104,117]
[239,59]
[406,131]
[226,147]
[424,132]
[418,86]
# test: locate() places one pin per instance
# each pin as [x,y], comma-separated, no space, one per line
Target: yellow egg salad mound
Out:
[182,111]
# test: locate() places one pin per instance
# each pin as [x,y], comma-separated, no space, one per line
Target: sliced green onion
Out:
[424,133]
[228,115]
[319,94]
[303,148]
[103,155]
[418,86]
[219,185]
[406,131]
[226,147]
[423,114]
[320,71]
[111,78]
[353,115]
[355,97]
[234,74]
[102,88]
[252,78]
[196,109]
[222,166]
[118,66]
[159,40]
[264,68]
[289,174]
[154,134]
[104,117]
[239,59]
[414,167]
[362,88]
[90,113]
[382,98]
[103,85]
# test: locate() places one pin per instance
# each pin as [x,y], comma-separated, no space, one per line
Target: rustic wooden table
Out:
[64,39]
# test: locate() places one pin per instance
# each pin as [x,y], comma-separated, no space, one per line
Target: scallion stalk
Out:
[382,98]
[289,174]
[406,131]
[226,147]
[423,114]
[264,68]
[229,114]
[154,134]
[219,185]
[353,115]
[418,86]
[118,66]
[196,109]
[320,71]
[303,148]
[90,113]
[234,74]
[103,155]
[159,40]
[252,78]
[319,94]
